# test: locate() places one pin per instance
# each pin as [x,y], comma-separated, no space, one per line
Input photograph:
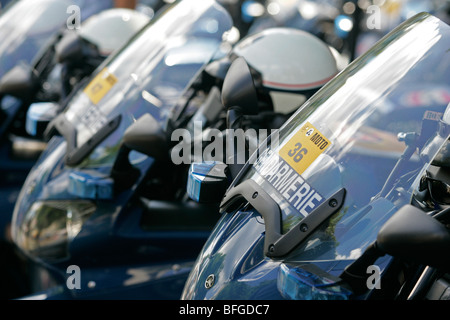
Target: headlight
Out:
[299,283]
[49,226]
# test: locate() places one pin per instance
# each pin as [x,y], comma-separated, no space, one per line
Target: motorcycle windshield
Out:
[147,75]
[27,25]
[111,29]
[349,136]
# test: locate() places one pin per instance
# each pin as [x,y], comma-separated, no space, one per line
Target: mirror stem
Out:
[407,154]
[123,173]
[423,284]
[235,117]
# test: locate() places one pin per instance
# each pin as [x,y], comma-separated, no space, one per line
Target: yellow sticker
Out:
[100,86]
[304,147]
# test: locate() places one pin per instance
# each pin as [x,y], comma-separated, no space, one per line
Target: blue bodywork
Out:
[112,249]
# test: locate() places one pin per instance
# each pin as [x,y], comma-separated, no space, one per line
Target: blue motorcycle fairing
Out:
[114,237]
[49,161]
[151,84]
[246,273]
[49,181]
[352,135]
[236,272]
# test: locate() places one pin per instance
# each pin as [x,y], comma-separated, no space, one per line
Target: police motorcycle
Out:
[21,42]
[84,202]
[34,94]
[39,90]
[299,217]
[30,52]
[40,20]
[26,28]
[61,44]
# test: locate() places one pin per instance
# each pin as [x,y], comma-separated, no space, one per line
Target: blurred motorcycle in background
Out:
[25,28]
[42,65]
[300,219]
[83,202]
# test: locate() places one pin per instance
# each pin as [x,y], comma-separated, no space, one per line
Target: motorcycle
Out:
[52,75]
[301,219]
[96,199]
[21,42]
[33,94]
[48,57]
[39,21]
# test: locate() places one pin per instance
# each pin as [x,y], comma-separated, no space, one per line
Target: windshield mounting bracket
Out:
[277,244]
[75,154]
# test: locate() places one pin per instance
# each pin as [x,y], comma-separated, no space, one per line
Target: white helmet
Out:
[288,59]
[290,65]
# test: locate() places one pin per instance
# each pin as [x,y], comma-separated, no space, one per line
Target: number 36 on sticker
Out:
[298,152]
[304,147]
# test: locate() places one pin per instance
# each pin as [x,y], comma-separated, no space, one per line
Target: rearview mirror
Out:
[145,136]
[72,47]
[19,82]
[239,97]
[411,235]
[69,47]
[238,88]
[414,236]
